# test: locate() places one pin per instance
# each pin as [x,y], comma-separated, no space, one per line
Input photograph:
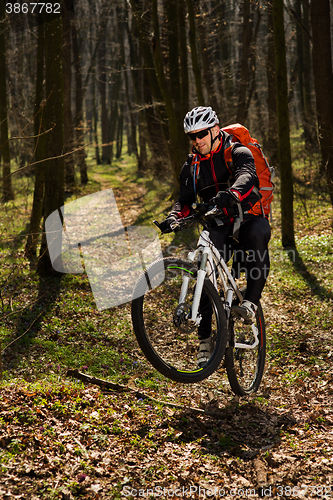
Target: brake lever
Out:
[175,226]
[214,212]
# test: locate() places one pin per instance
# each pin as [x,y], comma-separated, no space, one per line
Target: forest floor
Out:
[62,439]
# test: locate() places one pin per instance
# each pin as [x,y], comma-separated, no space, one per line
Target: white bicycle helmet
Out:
[199,118]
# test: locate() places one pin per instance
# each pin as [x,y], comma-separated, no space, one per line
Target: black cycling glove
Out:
[165,225]
[225,199]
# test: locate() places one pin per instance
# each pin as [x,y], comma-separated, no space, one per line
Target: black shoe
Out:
[247,311]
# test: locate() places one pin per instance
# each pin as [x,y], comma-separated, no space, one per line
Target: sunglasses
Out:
[200,134]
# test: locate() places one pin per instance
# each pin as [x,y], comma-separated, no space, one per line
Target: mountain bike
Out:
[175,298]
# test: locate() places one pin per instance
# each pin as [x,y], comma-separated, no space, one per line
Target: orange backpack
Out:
[265,172]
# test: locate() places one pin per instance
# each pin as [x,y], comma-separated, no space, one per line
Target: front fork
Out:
[201,274]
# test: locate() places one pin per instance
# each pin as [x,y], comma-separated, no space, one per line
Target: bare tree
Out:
[287,216]
[323,78]
[54,166]
[8,193]
[40,146]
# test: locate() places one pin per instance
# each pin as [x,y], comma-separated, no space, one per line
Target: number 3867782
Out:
[25,8]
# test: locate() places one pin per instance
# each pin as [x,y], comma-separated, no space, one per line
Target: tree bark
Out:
[79,108]
[323,79]
[271,141]
[134,62]
[40,143]
[244,64]
[7,192]
[287,195]
[184,85]
[68,9]
[54,167]
[178,146]
[194,54]
[223,29]
[95,118]
[154,65]
[154,130]
[102,90]
[173,46]
[310,131]
[208,63]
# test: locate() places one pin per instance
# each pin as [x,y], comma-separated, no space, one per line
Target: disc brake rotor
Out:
[181,319]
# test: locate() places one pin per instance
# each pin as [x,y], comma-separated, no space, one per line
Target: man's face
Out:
[203,145]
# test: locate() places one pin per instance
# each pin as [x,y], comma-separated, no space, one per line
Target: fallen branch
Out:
[105,384]
[28,330]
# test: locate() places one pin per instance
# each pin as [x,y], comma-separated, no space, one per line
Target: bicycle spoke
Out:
[165,331]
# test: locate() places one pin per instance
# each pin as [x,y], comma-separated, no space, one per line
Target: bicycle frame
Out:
[212,262]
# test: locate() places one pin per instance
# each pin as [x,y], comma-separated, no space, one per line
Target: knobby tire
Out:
[170,348]
[245,367]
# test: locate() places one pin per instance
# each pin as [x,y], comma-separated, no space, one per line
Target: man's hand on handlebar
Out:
[165,225]
[207,210]
[201,212]
[225,200]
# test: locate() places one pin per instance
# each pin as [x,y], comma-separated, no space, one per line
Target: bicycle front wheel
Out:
[161,315]
[245,355]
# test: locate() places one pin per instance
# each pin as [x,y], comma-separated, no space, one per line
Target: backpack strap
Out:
[227,146]
[195,167]
[237,223]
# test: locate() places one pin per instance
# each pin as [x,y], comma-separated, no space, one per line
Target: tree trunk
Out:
[142,22]
[271,142]
[194,54]
[134,57]
[120,131]
[310,131]
[223,28]
[173,45]
[154,129]
[95,118]
[323,79]
[40,143]
[7,193]
[68,122]
[115,90]
[208,63]
[287,216]
[178,147]
[79,109]
[244,70]
[104,113]
[54,167]
[184,88]
[304,71]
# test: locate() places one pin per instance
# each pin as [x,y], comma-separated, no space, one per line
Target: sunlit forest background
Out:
[118,77]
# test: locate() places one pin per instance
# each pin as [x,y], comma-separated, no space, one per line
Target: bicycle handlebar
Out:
[202,212]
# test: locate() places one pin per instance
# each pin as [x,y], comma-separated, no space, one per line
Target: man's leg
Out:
[254,237]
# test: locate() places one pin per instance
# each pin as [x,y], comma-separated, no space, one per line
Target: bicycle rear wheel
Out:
[162,327]
[245,365]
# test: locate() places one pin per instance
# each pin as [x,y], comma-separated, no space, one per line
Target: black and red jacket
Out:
[214,176]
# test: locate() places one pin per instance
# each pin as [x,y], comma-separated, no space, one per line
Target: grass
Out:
[50,324]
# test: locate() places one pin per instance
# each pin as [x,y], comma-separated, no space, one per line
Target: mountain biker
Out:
[215,184]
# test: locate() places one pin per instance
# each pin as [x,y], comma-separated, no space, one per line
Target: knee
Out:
[260,232]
